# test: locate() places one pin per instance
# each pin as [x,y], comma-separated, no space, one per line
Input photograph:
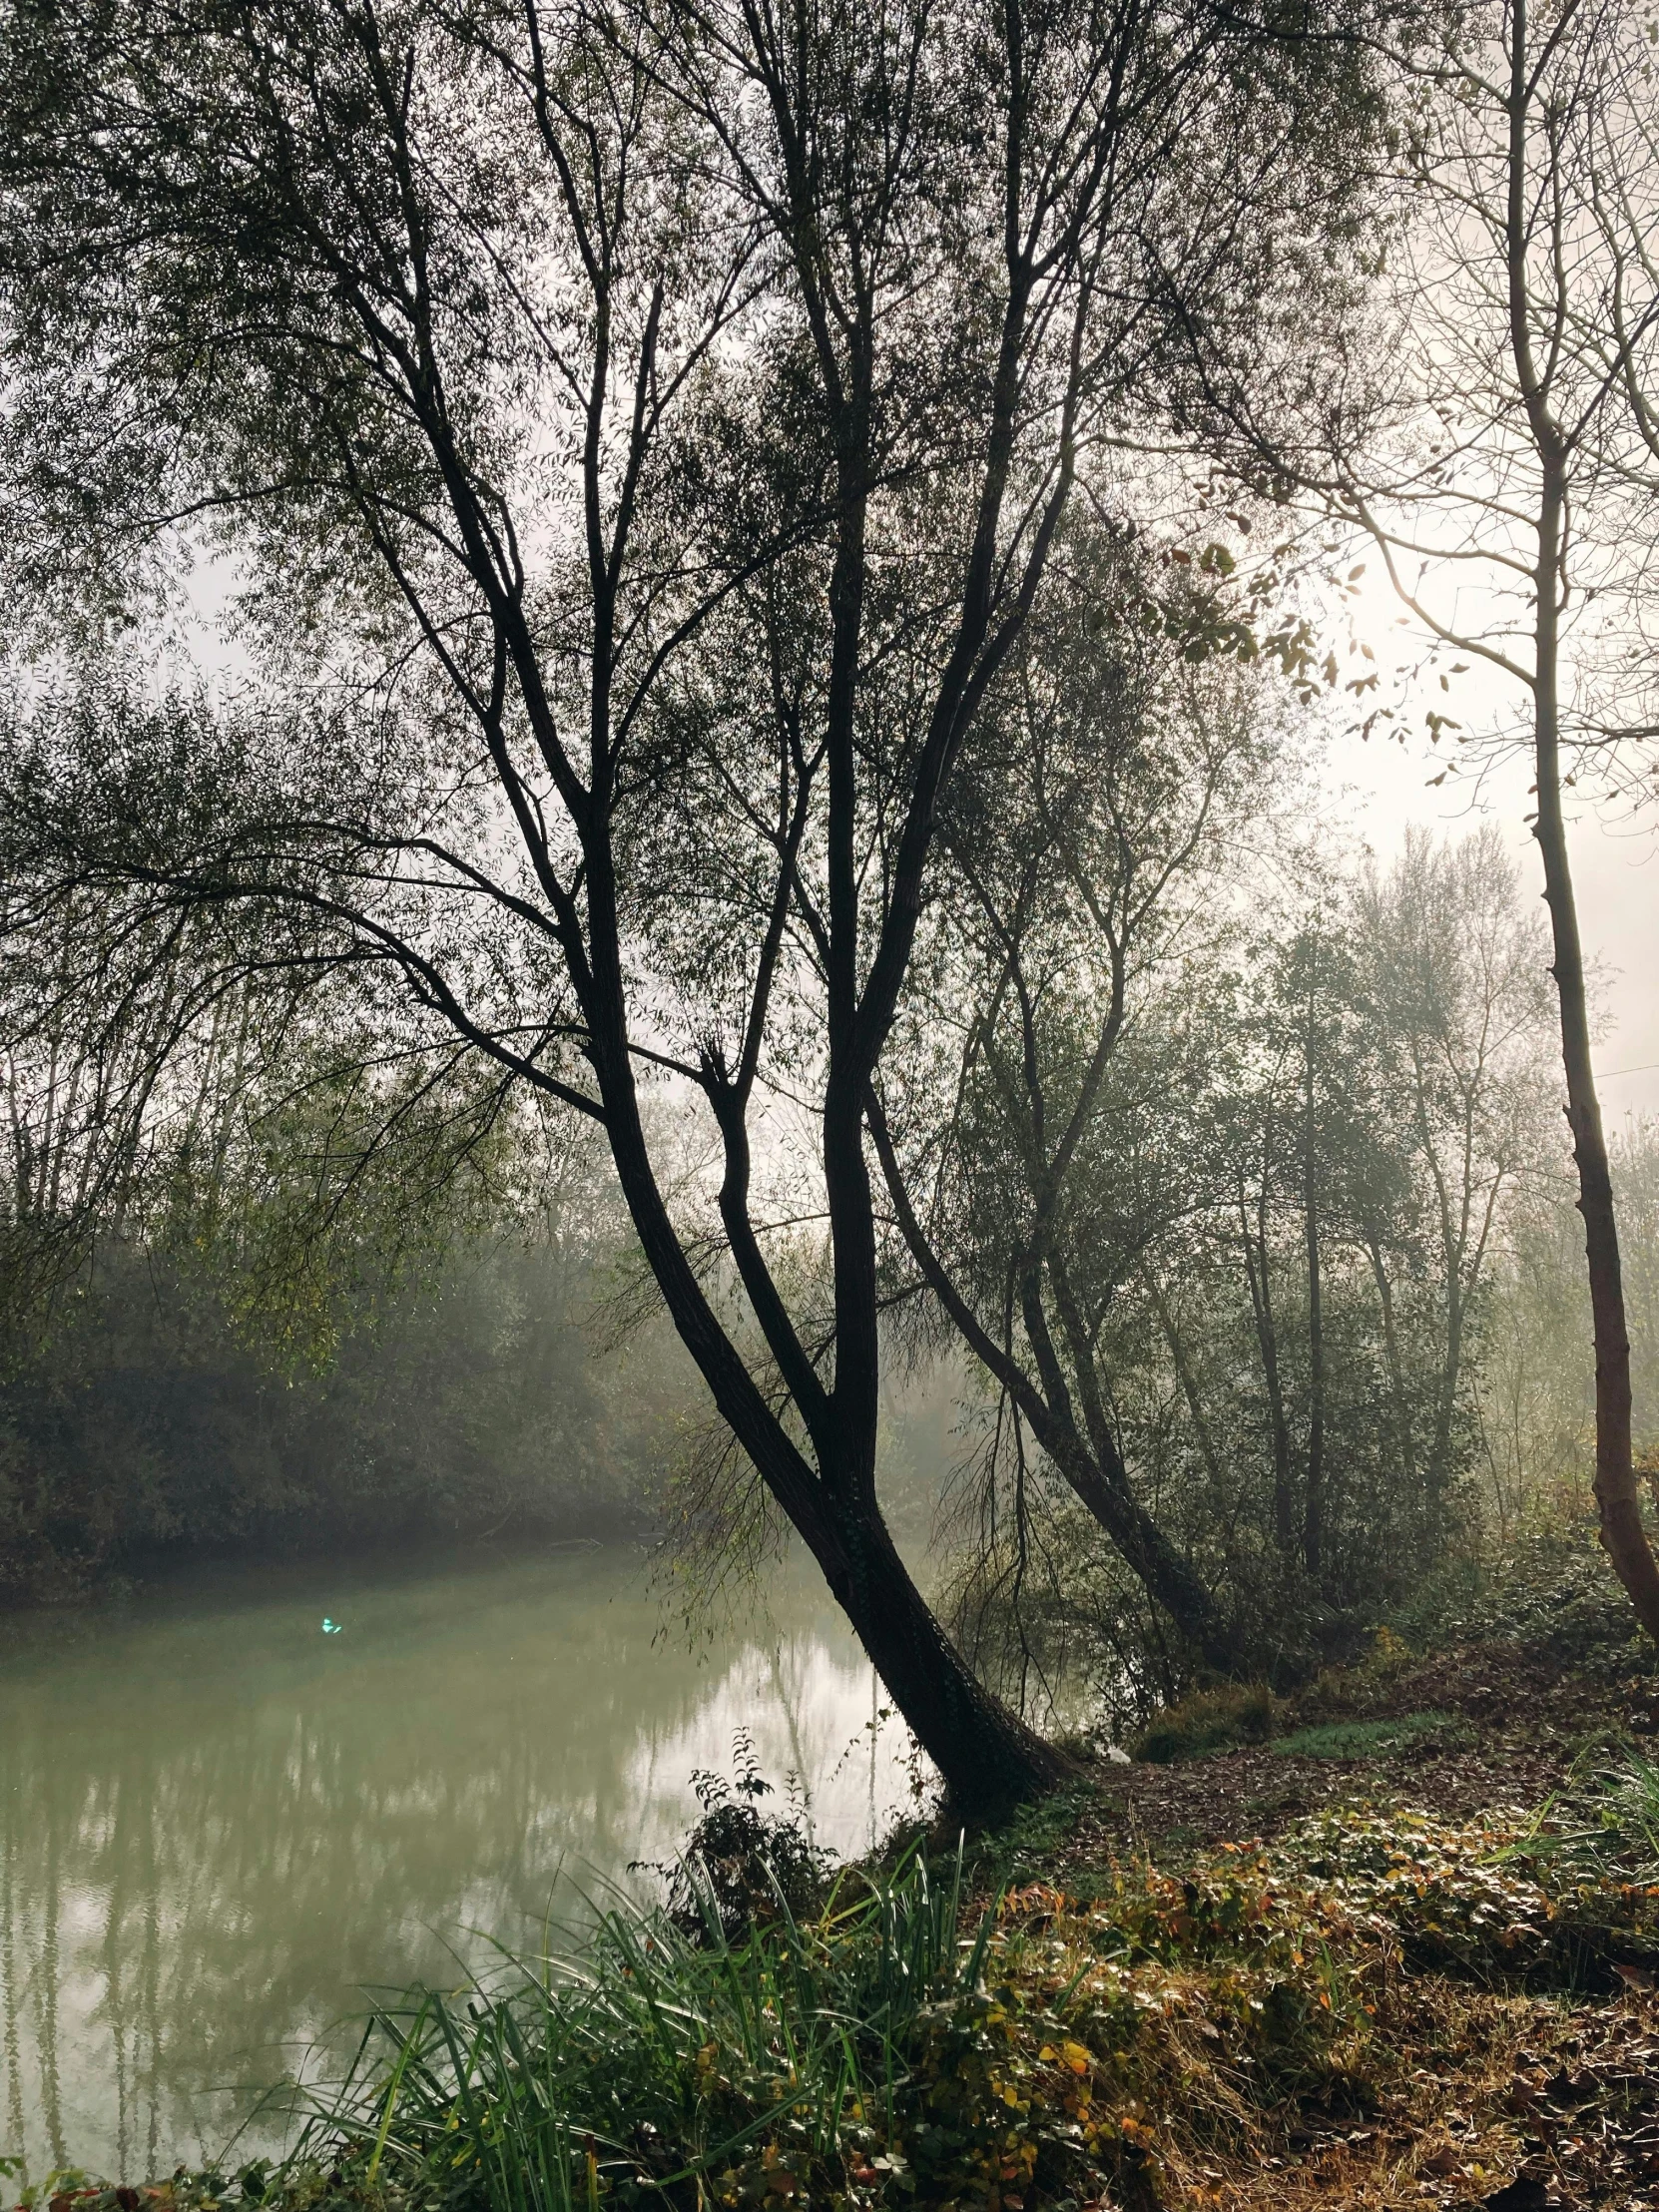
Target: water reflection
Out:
[219,1824]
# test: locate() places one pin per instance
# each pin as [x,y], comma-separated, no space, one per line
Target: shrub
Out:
[741,1868]
[1557,1594]
[1210,1720]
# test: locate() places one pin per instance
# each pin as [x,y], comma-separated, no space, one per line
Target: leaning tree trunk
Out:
[989,1758]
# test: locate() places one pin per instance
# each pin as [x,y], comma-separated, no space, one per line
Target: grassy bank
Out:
[1394,1943]
[1379,2008]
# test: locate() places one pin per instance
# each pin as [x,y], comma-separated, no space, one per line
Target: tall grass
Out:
[1622,1835]
[650,2060]
[908,2045]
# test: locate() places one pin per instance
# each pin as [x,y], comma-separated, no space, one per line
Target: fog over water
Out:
[219,1822]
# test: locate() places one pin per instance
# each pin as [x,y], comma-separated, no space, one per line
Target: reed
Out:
[653,2058]
[915,2044]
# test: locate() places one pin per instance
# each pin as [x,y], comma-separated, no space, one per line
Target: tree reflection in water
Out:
[218,1826]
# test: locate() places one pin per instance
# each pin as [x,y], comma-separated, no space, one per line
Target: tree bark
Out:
[1312,1516]
[1099,1477]
[1391,1352]
[1616,1494]
[989,1758]
[1617,1497]
[1267,1337]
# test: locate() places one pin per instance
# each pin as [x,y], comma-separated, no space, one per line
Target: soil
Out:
[1538,2103]
[1525,1726]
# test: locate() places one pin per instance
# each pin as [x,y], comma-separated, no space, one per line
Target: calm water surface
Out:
[219,1825]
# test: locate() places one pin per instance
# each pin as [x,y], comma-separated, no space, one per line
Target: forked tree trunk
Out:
[988,1757]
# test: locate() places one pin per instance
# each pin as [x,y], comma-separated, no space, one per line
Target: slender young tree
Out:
[1494,438]
[1538,122]
[1021,1163]
[1453,988]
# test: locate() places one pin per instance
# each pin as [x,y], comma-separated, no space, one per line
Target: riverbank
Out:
[1401,1950]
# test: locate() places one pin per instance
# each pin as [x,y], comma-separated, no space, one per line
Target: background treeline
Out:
[1323,1227]
[252,1309]
[152,1421]
[1322,1273]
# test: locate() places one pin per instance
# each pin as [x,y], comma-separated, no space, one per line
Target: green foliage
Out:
[662,2060]
[741,1868]
[153,1424]
[1367,1739]
[1620,1829]
[296,1286]
[1557,1592]
[1208,1721]
[900,2048]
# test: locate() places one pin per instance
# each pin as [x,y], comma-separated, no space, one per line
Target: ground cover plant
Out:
[1361,1739]
[1379,2006]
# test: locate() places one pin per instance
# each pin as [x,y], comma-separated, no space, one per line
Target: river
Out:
[223,1822]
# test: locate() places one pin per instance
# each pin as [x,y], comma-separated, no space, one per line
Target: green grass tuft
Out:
[1367,1739]
[1209,1721]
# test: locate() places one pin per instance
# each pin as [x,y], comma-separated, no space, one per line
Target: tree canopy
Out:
[725,534]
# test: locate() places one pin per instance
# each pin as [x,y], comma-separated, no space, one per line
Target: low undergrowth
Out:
[1231,1716]
[1368,1739]
[1208,1721]
[1259,2027]
[1557,1596]
[1379,2008]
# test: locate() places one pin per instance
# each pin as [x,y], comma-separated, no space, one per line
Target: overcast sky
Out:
[1382,786]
